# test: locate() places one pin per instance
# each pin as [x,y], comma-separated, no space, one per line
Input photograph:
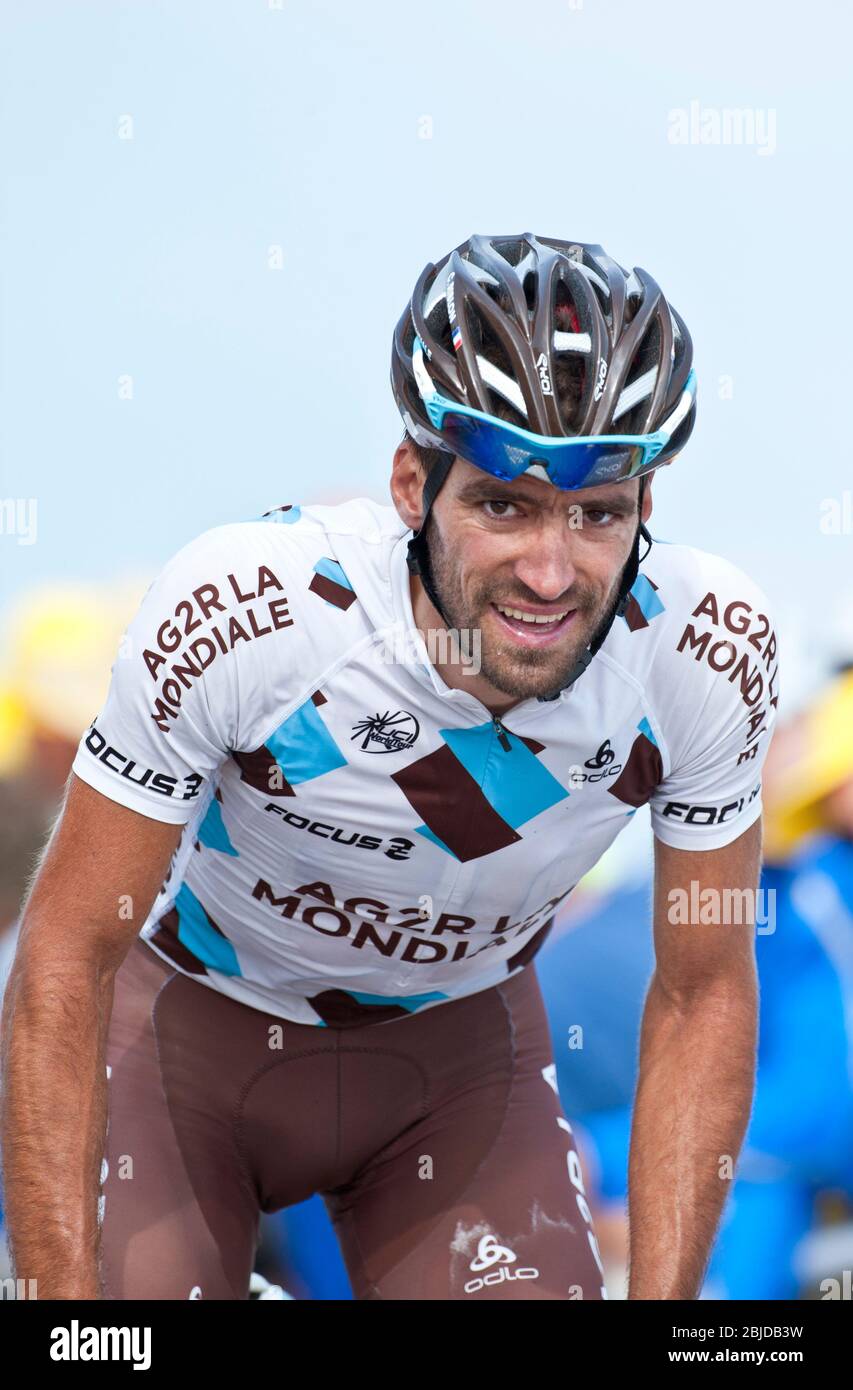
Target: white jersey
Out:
[362,840]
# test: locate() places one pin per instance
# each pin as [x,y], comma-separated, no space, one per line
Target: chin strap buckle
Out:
[412,561]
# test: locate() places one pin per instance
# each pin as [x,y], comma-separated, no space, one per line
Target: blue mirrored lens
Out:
[570,464]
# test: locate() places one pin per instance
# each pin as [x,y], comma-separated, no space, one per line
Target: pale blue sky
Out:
[299,126]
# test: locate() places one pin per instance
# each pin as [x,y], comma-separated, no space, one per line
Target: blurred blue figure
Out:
[800,1138]
[594,977]
[307,1249]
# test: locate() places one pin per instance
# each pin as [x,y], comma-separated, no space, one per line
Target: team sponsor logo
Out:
[386,733]
[223,615]
[743,669]
[600,380]
[611,467]
[489,1254]
[451,299]
[397,846]
[544,375]
[603,757]
[708,815]
[573,1167]
[754,674]
[455,330]
[364,921]
[181,788]
[601,764]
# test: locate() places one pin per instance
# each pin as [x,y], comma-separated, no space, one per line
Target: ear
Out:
[646,509]
[407,484]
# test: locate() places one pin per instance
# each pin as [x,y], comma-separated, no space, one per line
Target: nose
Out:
[545,567]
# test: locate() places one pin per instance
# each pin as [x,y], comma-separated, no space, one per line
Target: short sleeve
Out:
[173,708]
[719,707]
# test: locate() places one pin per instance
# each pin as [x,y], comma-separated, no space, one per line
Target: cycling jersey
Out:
[361,839]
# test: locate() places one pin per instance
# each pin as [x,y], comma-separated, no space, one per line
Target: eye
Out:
[501,504]
[597,516]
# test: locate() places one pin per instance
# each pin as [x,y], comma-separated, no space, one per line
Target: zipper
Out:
[502,734]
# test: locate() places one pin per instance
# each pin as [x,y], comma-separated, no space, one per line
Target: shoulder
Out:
[692,611]
[293,530]
[682,583]
[372,521]
[697,640]
[720,626]
[264,605]
[292,547]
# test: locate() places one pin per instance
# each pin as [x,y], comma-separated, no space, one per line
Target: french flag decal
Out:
[457,338]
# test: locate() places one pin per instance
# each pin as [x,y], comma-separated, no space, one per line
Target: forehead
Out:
[471,484]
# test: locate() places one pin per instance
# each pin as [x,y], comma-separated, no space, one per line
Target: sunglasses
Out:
[506,450]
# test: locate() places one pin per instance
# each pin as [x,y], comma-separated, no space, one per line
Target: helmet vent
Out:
[565,314]
[570,367]
[492,353]
[512,251]
[632,408]
[647,354]
[529,285]
[438,324]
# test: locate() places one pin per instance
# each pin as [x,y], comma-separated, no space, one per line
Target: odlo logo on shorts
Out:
[490,1253]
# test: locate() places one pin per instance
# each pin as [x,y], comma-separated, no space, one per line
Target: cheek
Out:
[477,569]
[601,558]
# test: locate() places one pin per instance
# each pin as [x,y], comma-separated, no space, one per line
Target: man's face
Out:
[530,548]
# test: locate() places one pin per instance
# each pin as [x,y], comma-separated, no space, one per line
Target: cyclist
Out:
[281,936]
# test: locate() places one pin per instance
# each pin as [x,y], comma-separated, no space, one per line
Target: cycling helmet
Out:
[557,341]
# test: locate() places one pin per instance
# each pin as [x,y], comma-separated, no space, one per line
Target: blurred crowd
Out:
[788,1223]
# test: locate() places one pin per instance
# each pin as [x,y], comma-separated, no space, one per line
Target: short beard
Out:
[528,674]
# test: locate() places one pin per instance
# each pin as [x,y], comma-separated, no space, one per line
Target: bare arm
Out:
[102,858]
[697,1069]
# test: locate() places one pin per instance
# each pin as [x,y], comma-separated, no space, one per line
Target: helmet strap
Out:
[417,554]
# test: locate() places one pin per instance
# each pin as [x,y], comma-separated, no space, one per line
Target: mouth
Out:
[532,629]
